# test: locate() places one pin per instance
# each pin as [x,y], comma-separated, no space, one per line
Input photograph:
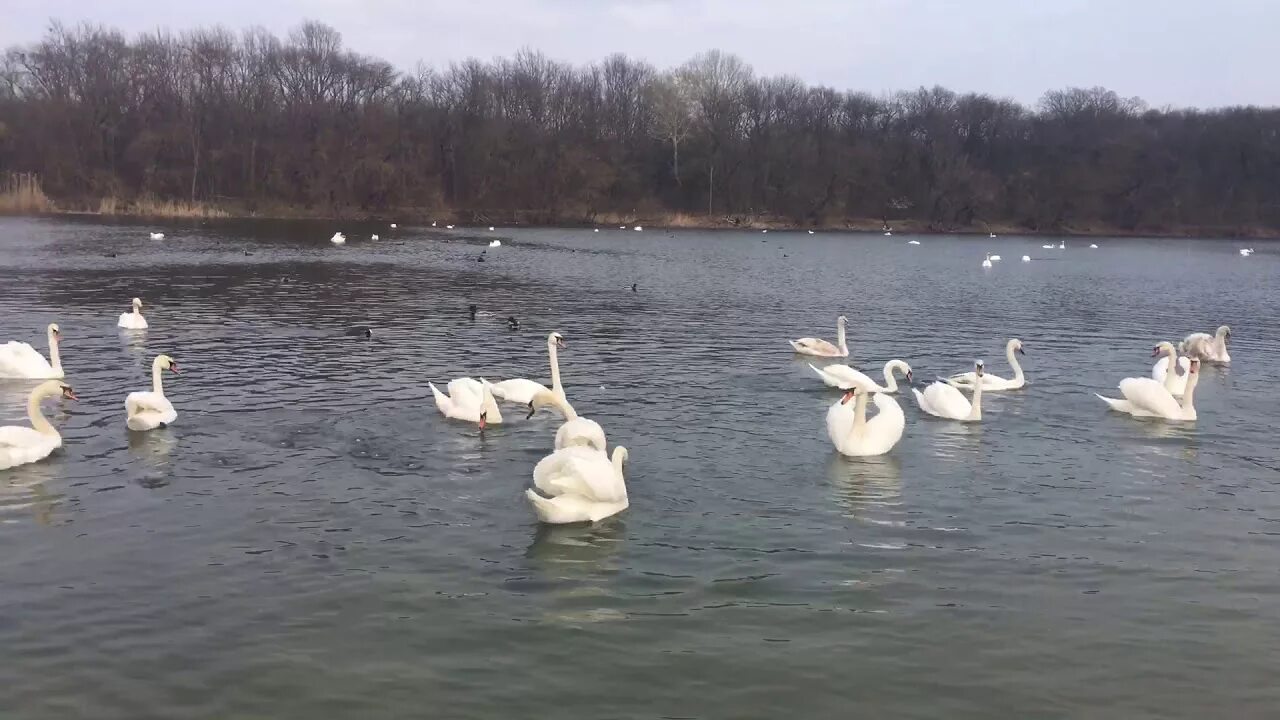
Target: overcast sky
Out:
[1169,52]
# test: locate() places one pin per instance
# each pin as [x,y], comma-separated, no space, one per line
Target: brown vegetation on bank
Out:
[209,124]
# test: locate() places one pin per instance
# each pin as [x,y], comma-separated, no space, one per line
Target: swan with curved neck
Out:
[845,377]
[944,401]
[1175,382]
[521,391]
[823,348]
[856,436]
[20,360]
[468,400]
[579,484]
[1146,398]
[1012,349]
[1206,347]
[148,410]
[133,320]
[21,445]
[575,430]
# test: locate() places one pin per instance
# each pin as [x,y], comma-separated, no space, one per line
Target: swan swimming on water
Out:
[495,243]
[522,391]
[338,239]
[575,430]
[856,436]
[944,401]
[823,348]
[1146,398]
[911,242]
[986,263]
[845,377]
[1012,349]
[468,400]
[1210,348]
[133,320]
[21,445]
[150,410]
[1026,258]
[20,360]
[579,484]
[157,236]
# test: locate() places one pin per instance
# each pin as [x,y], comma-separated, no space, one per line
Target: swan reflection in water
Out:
[25,490]
[153,448]
[577,562]
[869,488]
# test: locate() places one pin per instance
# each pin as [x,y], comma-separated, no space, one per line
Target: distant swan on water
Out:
[823,348]
[1026,258]
[495,243]
[338,239]
[910,242]
[157,236]
[150,410]
[133,320]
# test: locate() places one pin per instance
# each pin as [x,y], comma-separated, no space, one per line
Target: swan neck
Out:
[859,413]
[157,385]
[1013,362]
[36,416]
[554,354]
[1188,395]
[840,342]
[55,355]
[619,457]
[975,410]
[566,409]
[1171,371]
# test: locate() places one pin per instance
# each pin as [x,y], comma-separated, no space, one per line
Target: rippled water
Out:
[311,539]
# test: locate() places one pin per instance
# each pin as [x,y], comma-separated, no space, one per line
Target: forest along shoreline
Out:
[209,123]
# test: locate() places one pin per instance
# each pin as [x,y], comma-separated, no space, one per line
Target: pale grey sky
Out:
[1169,52]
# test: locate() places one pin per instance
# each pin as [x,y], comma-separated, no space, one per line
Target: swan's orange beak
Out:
[174,367]
[560,343]
[1155,351]
[69,394]
[848,396]
[909,377]
[483,417]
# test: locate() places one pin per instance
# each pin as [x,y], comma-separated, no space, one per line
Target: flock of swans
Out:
[578,481]
[1168,394]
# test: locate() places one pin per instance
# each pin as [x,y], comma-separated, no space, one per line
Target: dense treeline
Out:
[261,122]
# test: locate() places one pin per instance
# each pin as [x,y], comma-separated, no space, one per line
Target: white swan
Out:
[490,228]
[845,377]
[638,228]
[1048,247]
[21,445]
[810,232]
[887,233]
[394,226]
[157,236]
[944,401]
[521,391]
[910,242]
[20,360]
[822,348]
[1012,349]
[133,320]
[1210,348]
[1175,382]
[448,227]
[575,430]
[1093,246]
[1026,258]
[995,258]
[1062,245]
[338,239]
[468,400]
[495,243]
[374,236]
[854,435]
[584,485]
[986,263]
[1246,252]
[1144,397]
[150,410]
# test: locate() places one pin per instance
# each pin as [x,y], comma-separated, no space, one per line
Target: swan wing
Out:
[844,377]
[22,445]
[20,360]
[578,470]
[138,402]
[885,429]
[946,401]
[1148,395]
[443,402]
[461,388]
[816,346]
[518,390]
[581,431]
[566,509]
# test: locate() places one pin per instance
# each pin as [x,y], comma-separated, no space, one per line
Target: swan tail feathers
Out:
[442,400]
[1114,404]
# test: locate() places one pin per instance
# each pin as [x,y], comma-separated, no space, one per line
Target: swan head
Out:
[977,368]
[842,321]
[484,419]
[164,362]
[1163,347]
[620,455]
[1016,345]
[850,394]
[137,304]
[55,333]
[556,339]
[55,387]
[1224,332]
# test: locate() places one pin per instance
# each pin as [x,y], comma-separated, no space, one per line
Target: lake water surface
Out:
[312,540]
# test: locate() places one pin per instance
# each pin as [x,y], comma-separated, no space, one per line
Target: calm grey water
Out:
[311,539]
